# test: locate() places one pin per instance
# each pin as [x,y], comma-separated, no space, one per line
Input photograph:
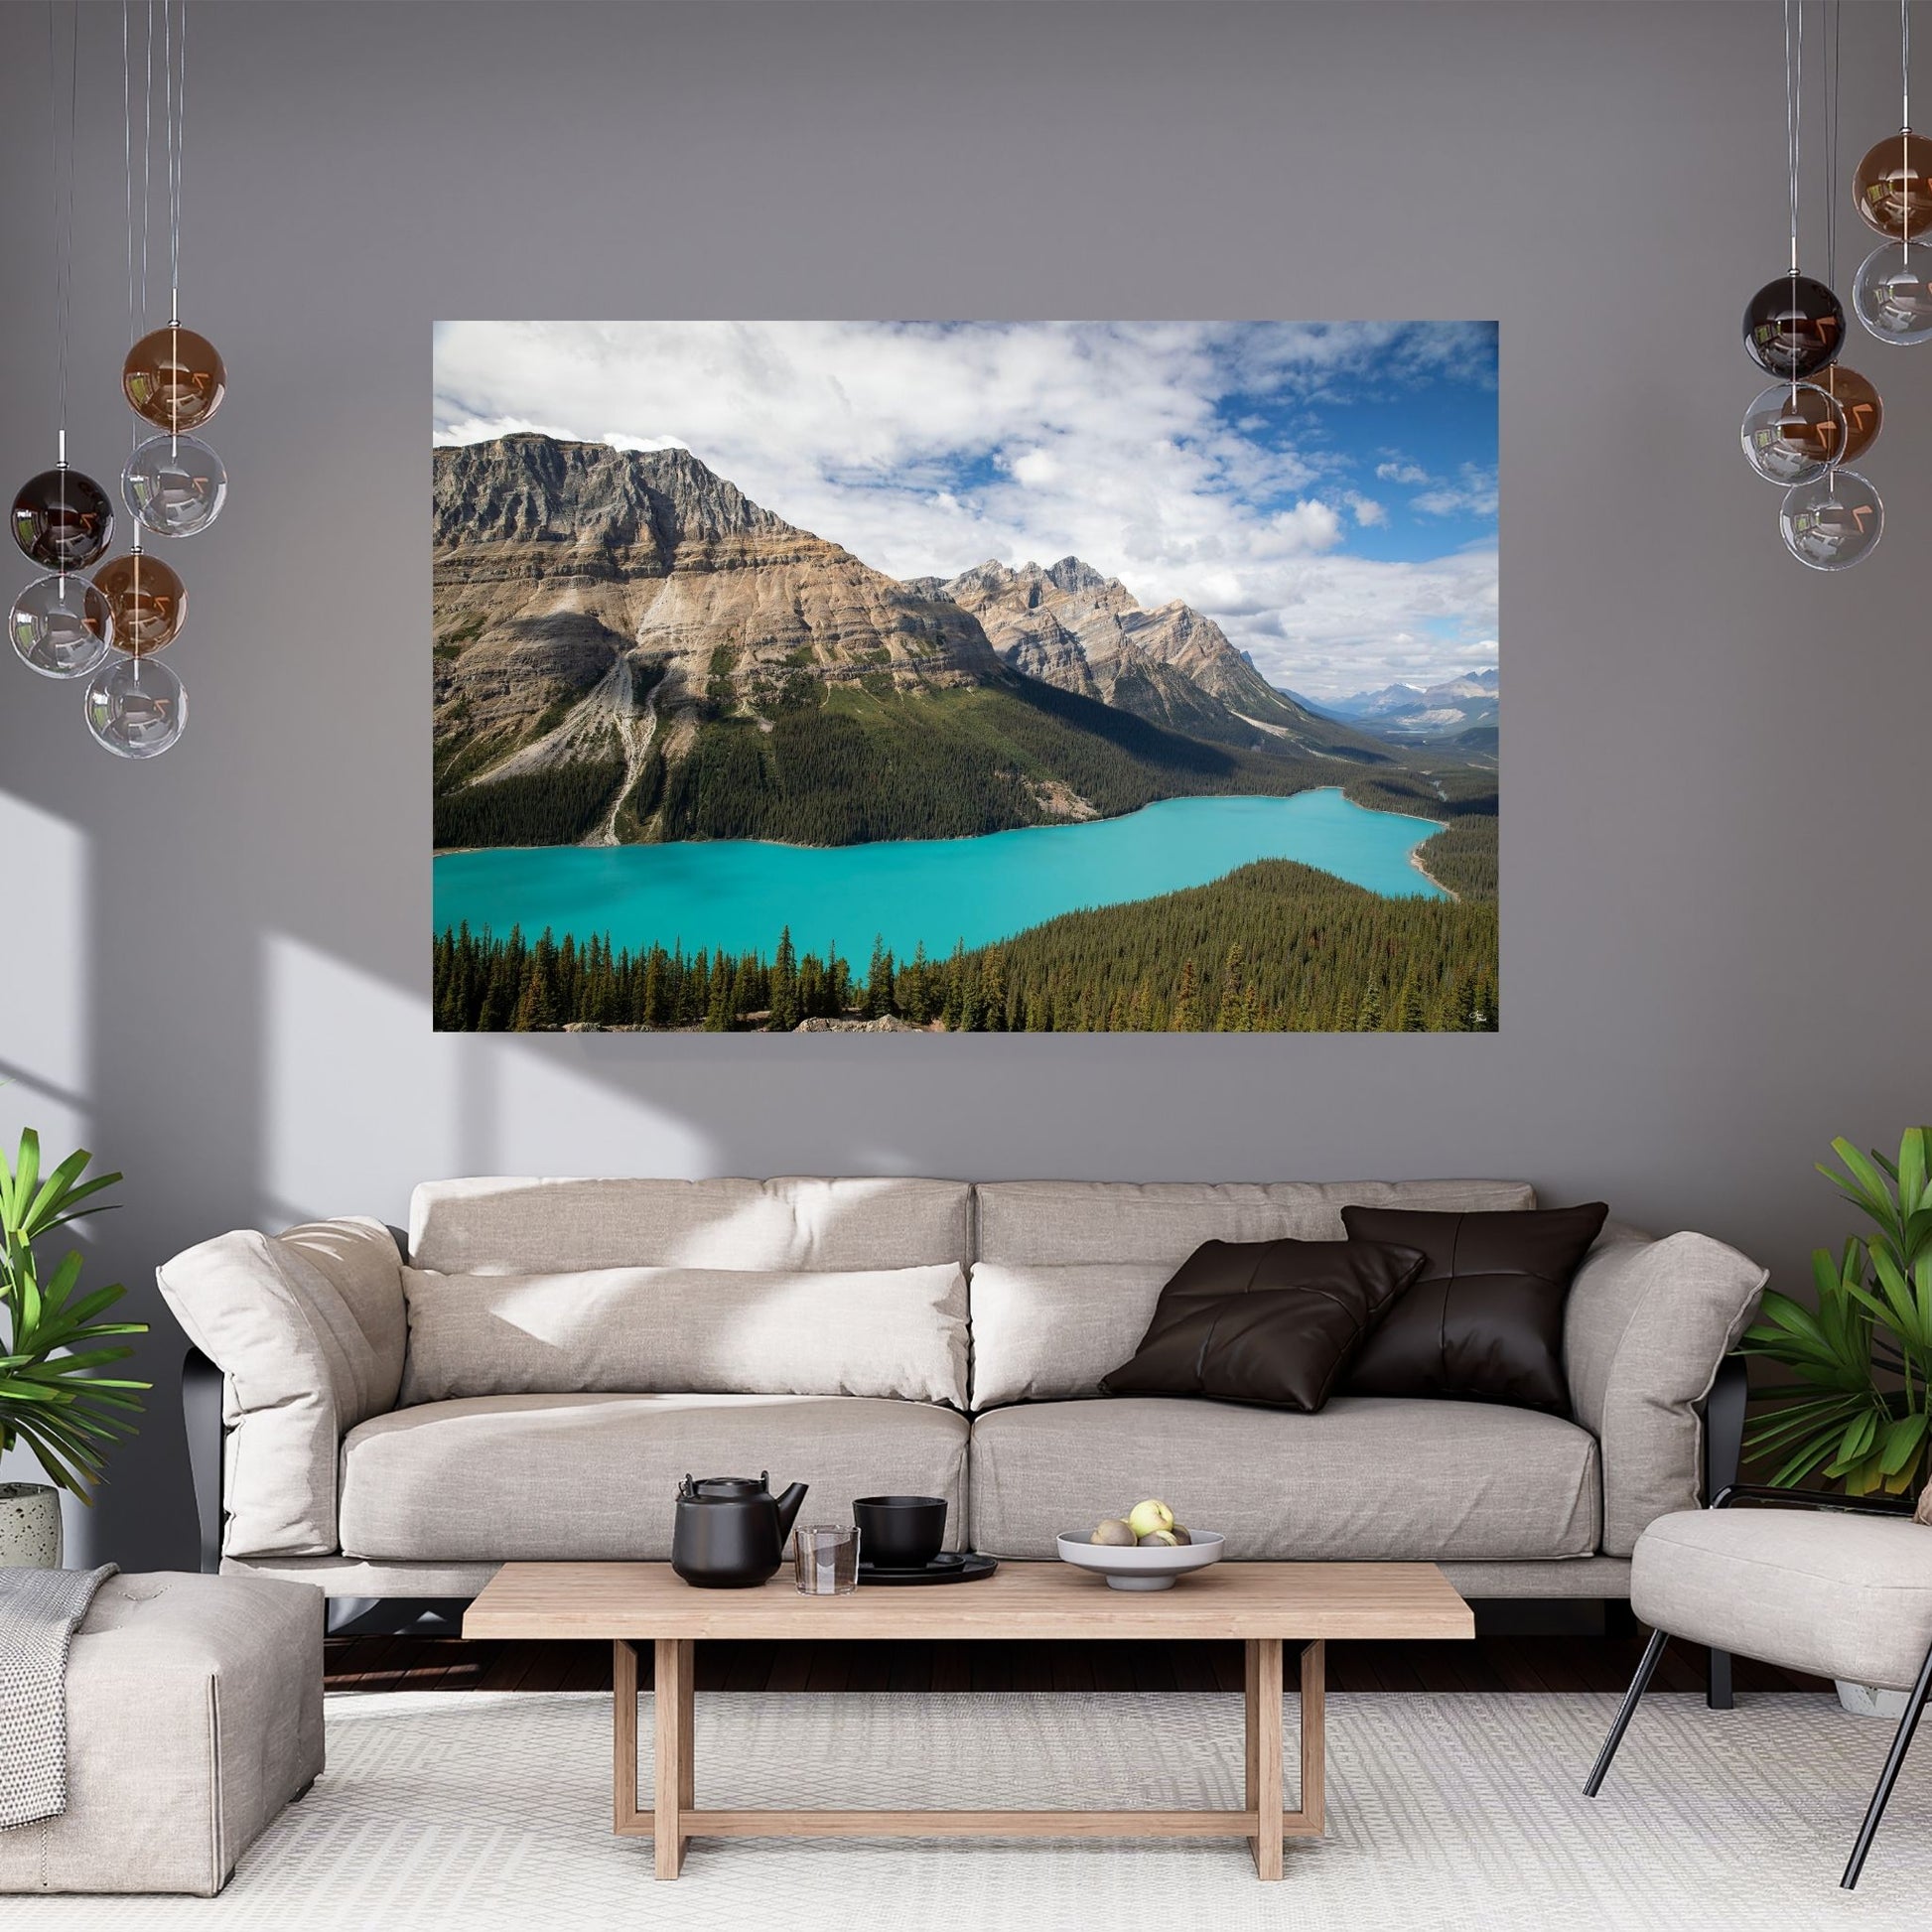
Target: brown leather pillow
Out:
[1265,1321]
[1485,1319]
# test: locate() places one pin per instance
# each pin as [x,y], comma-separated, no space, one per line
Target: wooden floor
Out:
[1485,1664]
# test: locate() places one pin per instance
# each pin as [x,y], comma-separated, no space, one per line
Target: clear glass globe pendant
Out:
[1793,432]
[136,707]
[175,484]
[61,625]
[1832,522]
[1893,291]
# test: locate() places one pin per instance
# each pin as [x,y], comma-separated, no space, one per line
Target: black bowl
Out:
[899,1532]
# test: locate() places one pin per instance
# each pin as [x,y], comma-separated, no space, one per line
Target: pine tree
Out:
[1186,1002]
[1228,1018]
[785,987]
[1368,1013]
[1414,1018]
[722,1009]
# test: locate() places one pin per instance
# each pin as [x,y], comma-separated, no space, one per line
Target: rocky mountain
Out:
[1436,711]
[1070,627]
[628,648]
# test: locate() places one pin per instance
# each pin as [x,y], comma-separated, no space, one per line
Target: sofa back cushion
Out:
[898,1332]
[308,1329]
[1062,1222]
[1069,1272]
[509,1226]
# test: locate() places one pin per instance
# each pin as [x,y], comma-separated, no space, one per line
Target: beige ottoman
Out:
[194,1716]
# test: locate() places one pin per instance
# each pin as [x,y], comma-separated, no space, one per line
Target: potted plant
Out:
[1859,1411]
[52,1344]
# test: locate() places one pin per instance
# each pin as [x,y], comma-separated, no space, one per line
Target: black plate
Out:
[946,1568]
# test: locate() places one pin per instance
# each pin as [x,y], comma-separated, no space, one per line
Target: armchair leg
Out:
[1900,1744]
[1717,1681]
[1647,1669]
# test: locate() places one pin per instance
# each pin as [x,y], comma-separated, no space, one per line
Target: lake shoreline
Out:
[739,895]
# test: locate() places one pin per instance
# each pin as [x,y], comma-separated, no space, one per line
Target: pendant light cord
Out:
[1794,75]
[62,207]
[1831,69]
[1906,63]
[176,49]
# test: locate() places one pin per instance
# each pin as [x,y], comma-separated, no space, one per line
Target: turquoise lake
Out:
[738,894]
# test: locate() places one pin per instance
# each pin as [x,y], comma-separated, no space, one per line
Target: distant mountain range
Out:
[627,647]
[1405,712]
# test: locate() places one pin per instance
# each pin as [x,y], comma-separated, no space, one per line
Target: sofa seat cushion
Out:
[1838,1595]
[1370,1478]
[549,1477]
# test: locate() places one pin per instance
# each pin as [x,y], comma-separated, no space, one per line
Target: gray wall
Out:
[1713,891]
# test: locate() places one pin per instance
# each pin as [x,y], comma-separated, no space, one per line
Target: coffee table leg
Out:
[625,1814]
[672,1793]
[1264,1795]
[1315,1753]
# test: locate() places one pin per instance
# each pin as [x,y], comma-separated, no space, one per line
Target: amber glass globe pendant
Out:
[147,600]
[174,377]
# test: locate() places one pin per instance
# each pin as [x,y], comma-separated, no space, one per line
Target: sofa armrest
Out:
[1647,1328]
[306,1329]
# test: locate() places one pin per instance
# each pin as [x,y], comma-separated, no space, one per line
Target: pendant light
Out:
[61,520]
[174,377]
[1835,520]
[1892,291]
[136,707]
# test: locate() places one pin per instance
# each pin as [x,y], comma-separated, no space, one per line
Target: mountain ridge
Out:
[627,647]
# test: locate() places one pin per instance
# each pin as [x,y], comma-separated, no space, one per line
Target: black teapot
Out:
[731,1531]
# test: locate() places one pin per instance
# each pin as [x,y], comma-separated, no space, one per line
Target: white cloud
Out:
[1403,471]
[1473,494]
[926,449]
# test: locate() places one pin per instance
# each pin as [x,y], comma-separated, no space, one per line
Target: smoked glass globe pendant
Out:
[136,707]
[1833,523]
[176,485]
[174,377]
[61,625]
[148,600]
[1794,327]
[63,519]
[1793,432]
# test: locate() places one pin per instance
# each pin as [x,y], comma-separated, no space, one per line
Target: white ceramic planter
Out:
[30,1526]
[1867,1701]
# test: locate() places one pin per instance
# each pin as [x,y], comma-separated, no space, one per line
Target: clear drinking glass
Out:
[825,1559]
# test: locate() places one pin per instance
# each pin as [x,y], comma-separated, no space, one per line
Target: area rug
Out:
[481,1812]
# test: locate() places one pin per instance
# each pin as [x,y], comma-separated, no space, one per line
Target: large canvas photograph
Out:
[971,676]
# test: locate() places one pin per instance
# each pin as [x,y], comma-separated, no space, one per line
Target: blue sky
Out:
[1325,492]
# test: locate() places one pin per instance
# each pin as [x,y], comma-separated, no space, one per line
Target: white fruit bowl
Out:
[1142,1566]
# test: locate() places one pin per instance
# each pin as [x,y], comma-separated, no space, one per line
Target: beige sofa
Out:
[398,1427]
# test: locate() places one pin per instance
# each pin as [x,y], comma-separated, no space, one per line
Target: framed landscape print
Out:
[972,676]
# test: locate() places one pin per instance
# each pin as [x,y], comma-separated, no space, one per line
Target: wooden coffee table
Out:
[1266,1604]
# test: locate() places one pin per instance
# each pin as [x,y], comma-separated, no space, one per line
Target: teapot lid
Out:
[729,1488]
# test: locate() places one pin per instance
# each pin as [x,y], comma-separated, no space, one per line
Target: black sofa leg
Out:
[200,1414]
[1900,1744]
[1652,1656]
[1717,1681]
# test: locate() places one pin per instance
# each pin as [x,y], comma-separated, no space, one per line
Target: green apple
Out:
[1145,1518]
[1113,1531]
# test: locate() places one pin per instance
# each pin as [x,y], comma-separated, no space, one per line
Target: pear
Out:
[1180,1534]
[1145,1518]
[1112,1531]
[1161,1540]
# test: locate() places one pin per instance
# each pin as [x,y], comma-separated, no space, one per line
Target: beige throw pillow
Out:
[899,1332]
